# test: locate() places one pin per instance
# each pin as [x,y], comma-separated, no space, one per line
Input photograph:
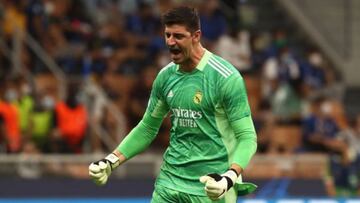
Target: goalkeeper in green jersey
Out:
[212,137]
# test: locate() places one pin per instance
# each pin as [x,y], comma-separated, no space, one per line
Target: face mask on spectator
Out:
[11,95]
[326,108]
[315,59]
[48,102]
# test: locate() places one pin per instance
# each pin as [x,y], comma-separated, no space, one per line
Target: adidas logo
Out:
[170,94]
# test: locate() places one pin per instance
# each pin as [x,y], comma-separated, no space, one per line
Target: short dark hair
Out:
[182,15]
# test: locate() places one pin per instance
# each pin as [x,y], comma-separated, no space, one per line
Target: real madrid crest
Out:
[198,97]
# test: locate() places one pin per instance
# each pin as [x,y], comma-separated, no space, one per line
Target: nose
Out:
[170,41]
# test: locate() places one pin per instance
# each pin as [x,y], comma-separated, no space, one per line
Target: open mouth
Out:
[175,51]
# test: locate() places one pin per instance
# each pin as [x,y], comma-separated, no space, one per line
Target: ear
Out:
[197,36]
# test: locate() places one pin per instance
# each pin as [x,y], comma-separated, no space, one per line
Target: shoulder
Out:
[165,73]
[221,68]
[168,69]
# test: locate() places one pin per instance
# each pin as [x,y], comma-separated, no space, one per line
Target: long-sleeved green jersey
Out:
[211,122]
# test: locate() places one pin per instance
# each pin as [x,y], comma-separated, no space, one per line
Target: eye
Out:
[167,35]
[179,36]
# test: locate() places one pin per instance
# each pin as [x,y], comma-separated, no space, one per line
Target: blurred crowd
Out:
[295,93]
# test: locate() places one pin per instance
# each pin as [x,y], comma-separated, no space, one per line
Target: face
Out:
[180,42]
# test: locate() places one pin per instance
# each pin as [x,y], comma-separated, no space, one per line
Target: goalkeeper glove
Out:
[100,170]
[217,185]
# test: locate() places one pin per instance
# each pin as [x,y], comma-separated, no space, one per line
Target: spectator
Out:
[70,124]
[264,122]
[213,22]
[281,86]
[118,39]
[10,116]
[279,41]
[235,47]
[143,23]
[334,86]
[41,123]
[314,73]
[25,104]
[286,105]
[288,69]
[2,135]
[346,175]
[320,129]
[259,44]
[14,18]
[35,14]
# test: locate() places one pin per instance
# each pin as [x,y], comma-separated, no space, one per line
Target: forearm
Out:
[121,157]
[247,143]
[139,138]
[237,168]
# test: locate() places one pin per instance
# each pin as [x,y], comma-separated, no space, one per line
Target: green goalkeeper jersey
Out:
[202,104]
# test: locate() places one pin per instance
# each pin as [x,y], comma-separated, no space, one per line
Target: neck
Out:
[195,57]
